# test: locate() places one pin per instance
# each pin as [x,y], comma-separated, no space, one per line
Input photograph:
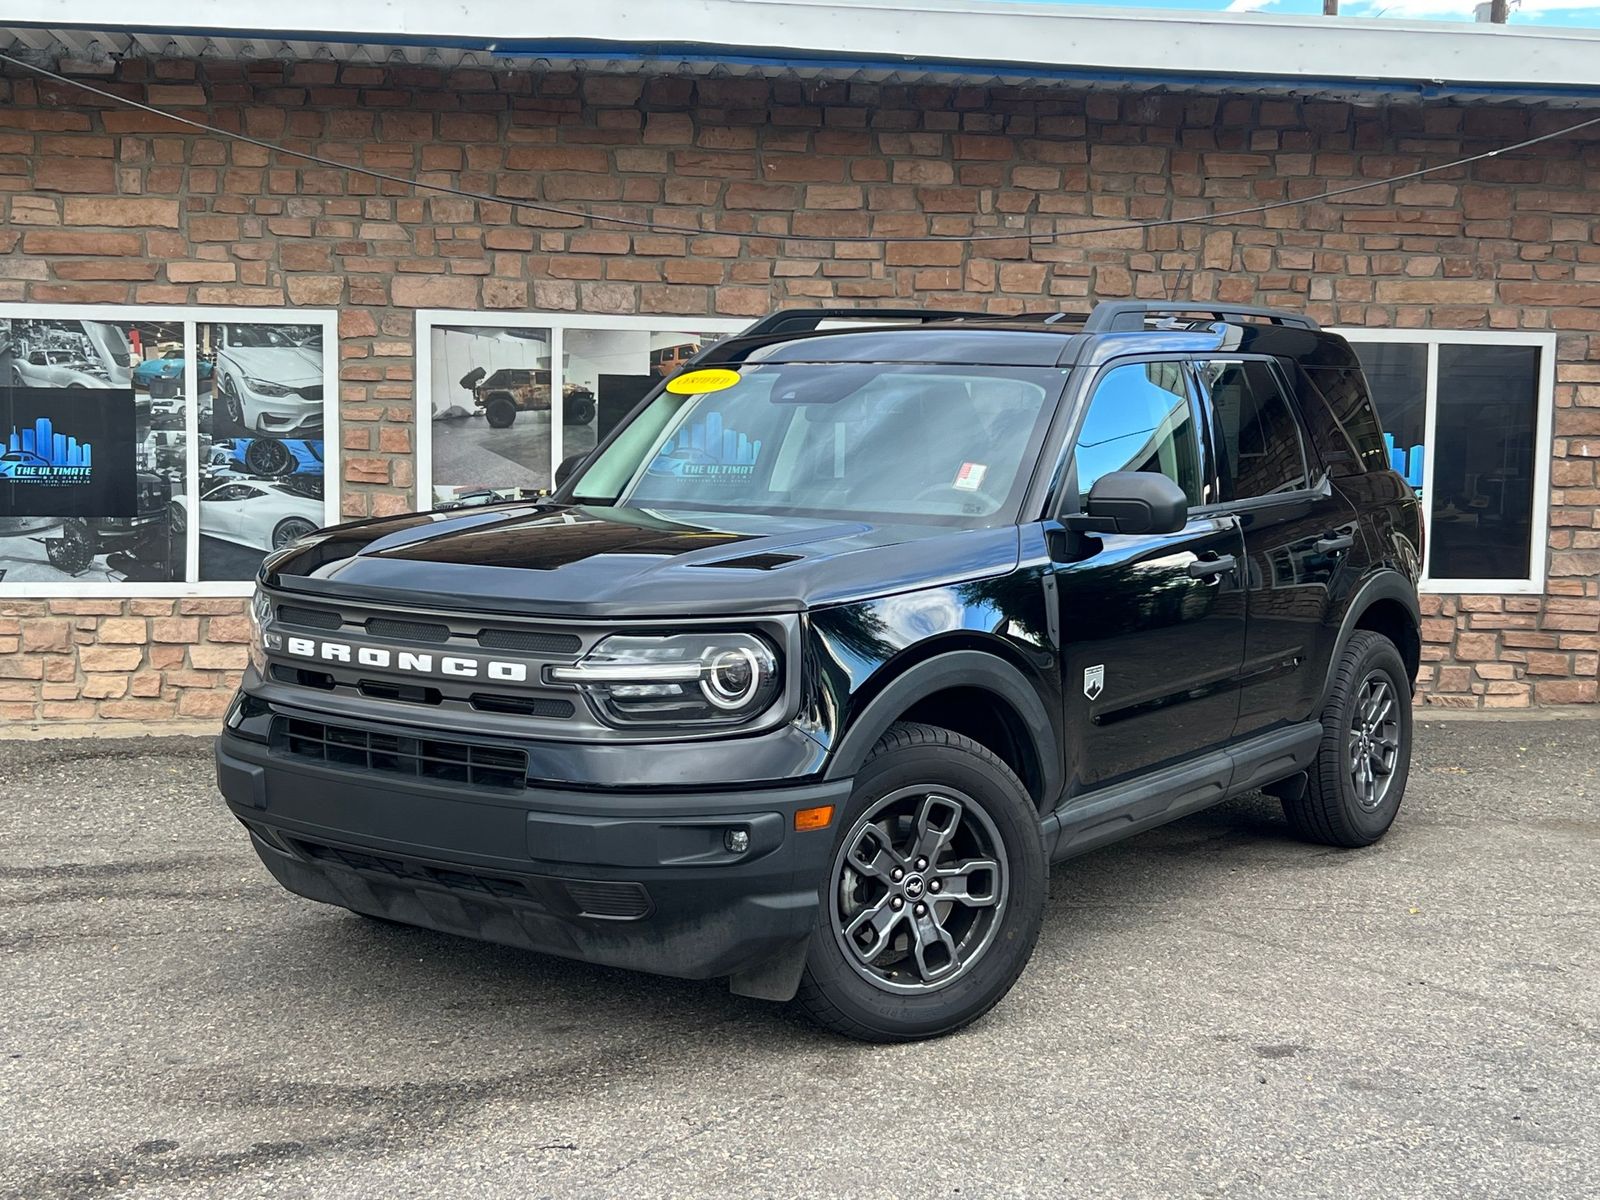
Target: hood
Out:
[621,562]
[287,366]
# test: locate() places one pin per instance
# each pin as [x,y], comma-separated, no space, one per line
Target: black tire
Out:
[499,411]
[177,518]
[577,410]
[1331,808]
[909,760]
[268,456]
[232,406]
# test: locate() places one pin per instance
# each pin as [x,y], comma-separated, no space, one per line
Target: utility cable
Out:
[658,227]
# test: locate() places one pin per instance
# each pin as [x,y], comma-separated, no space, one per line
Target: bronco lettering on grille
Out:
[461,666]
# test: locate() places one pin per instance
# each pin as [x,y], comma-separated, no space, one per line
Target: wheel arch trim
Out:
[1386,584]
[952,669]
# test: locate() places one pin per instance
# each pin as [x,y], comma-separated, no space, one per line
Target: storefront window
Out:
[1483,456]
[112,422]
[510,397]
[1486,399]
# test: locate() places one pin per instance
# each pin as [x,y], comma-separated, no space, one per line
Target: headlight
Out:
[262,387]
[260,614]
[695,678]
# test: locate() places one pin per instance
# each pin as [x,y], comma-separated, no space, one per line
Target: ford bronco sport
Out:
[806,674]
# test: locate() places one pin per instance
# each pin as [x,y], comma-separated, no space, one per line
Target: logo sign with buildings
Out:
[67,454]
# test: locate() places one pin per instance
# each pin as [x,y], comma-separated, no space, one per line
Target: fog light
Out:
[736,840]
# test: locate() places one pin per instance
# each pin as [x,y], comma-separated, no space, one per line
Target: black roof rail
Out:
[806,320]
[1128,316]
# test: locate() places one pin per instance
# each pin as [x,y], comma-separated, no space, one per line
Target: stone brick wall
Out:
[110,205]
[120,660]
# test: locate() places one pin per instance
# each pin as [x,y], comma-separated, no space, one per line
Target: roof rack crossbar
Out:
[806,320]
[1128,316]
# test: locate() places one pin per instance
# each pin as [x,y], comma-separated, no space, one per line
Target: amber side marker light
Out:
[813,818]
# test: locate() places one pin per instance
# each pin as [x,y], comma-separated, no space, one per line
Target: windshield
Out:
[952,445]
[258,336]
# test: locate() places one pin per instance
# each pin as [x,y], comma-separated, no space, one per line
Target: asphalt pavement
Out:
[1213,1010]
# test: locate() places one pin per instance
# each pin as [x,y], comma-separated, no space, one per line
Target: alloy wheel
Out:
[918,889]
[1374,745]
[289,530]
[230,400]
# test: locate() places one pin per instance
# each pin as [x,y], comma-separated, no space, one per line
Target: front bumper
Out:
[635,879]
[280,415]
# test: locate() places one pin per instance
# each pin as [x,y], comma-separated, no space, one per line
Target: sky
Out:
[1580,13]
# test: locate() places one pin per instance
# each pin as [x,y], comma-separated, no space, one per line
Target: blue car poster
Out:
[68,452]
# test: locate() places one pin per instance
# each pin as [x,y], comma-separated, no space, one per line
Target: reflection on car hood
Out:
[291,366]
[583,561]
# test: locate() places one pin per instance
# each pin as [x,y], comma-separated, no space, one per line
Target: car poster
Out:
[88,471]
[491,390]
[261,442]
[491,395]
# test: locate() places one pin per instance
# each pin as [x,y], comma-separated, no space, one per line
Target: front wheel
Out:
[500,412]
[1354,788]
[935,893]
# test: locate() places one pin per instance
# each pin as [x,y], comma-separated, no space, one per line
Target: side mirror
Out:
[568,465]
[1132,502]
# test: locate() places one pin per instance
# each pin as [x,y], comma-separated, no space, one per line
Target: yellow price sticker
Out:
[708,379]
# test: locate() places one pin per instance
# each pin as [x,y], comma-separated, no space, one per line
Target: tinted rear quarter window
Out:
[1345,395]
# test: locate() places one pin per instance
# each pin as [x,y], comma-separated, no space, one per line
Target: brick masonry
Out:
[110,205]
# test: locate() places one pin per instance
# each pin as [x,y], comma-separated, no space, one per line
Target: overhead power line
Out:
[587,215]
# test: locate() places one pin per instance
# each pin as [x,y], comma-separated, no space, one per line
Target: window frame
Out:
[1544,419]
[559,324]
[191,317]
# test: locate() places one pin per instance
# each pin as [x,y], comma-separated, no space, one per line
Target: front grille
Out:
[314,618]
[314,392]
[532,641]
[435,759]
[524,706]
[408,631]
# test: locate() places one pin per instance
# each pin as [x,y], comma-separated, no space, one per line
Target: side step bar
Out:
[1092,819]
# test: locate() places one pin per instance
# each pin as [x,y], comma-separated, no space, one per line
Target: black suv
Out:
[805,675]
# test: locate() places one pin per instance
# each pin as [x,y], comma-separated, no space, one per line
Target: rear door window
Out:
[1255,433]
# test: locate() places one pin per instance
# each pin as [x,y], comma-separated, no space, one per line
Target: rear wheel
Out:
[1353,790]
[267,456]
[935,893]
[577,410]
[289,529]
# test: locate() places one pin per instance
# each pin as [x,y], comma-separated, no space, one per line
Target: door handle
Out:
[1204,568]
[1341,541]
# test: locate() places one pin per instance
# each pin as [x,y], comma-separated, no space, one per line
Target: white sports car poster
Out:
[261,442]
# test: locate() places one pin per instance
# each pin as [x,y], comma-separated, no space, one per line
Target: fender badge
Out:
[1094,680]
